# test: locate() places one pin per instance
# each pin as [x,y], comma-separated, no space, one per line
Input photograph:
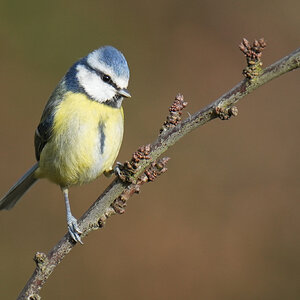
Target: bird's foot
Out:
[121,172]
[74,230]
[117,169]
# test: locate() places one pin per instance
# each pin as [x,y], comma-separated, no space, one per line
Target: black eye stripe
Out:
[102,76]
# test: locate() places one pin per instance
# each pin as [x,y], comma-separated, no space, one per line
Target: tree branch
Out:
[113,199]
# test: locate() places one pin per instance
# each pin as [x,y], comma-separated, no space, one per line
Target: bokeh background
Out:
[223,222]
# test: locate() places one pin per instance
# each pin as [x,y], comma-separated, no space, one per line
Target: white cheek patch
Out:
[93,85]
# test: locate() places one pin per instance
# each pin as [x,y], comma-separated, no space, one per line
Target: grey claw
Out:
[74,230]
[117,169]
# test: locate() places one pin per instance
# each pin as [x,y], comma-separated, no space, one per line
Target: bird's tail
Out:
[18,189]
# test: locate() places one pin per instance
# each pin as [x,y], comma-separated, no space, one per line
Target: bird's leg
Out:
[73,227]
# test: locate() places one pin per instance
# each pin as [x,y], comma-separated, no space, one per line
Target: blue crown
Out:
[113,59]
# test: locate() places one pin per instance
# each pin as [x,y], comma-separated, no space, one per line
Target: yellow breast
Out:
[86,140]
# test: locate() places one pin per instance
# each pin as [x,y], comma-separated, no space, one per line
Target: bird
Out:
[81,129]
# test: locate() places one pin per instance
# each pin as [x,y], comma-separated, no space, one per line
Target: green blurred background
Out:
[223,222]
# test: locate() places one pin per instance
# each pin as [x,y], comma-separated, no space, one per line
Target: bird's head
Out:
[103,75]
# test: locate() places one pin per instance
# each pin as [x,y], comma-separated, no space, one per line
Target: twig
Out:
[134,171]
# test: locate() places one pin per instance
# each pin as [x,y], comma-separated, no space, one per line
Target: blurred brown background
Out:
[222,223]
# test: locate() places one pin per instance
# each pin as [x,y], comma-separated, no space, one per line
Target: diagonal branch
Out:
[109,202]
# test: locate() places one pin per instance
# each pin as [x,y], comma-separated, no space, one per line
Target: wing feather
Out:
[43,132]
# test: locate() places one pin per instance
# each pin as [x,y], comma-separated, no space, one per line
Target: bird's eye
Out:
[106,78]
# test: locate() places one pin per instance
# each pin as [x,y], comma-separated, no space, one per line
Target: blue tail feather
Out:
[18,189]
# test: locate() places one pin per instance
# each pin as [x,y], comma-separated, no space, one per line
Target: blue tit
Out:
[81,129]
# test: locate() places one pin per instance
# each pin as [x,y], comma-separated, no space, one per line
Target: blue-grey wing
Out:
[43,132]
[42,135]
